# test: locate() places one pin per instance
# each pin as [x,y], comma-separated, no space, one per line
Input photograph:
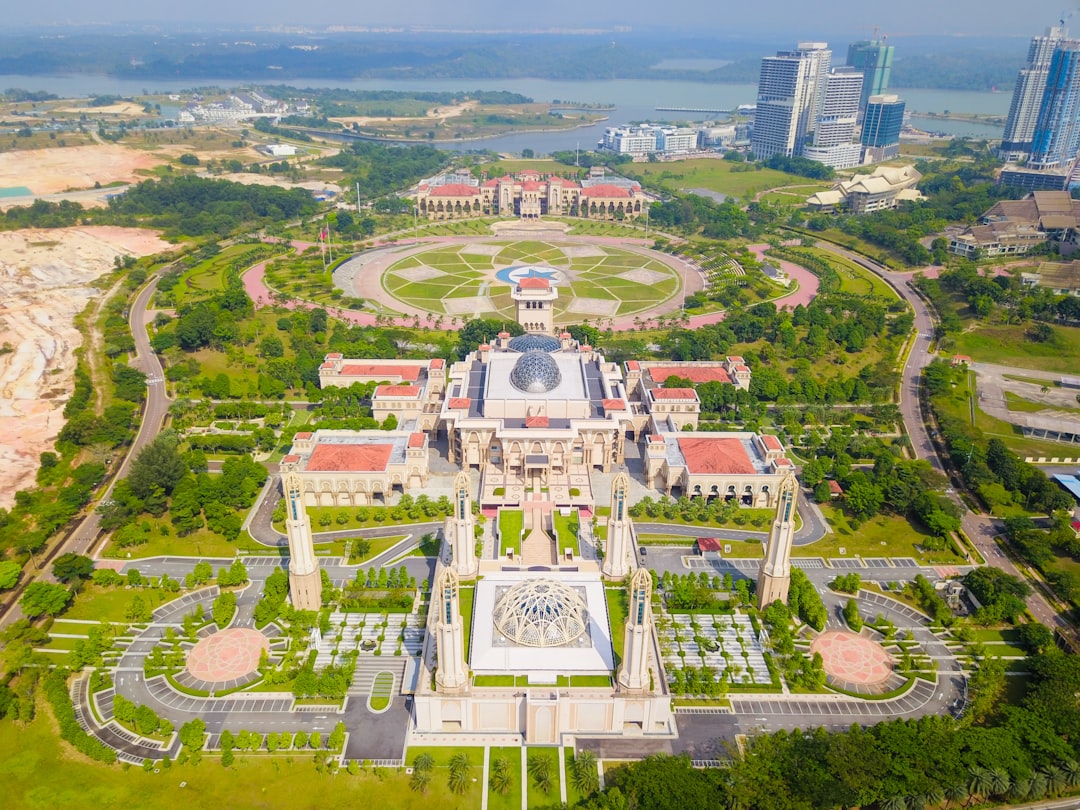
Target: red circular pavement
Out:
[227,655]
[853,658]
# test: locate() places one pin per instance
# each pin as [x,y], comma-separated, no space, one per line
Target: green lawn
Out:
[1008,346]
[378,546]
[465,599]
[616,606]
[203,543]
[536,797]
[512,799]
[572,794]
[325,519]
[564,534]
[30,753]
[881,536]
[854,278]
[111,604]
[511,522]
[723,176]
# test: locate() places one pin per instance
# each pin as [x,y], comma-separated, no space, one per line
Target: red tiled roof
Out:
[484,347]
[534,284]
[438,362]
[710,544]
[290,459]
[655,438]
[711,456]
[743,369]
[771,442]
[674,393]
[349,458]
[570,184]
[614,405]
[606,190]
[411,391]
[735,358]
[458,402]
[303,435]
[416,439]
[835,488]
[783,462]
[565,335]
[536,422]
[490,184]
[532,185]
[695,374]
[380,372]
[633,365]
[334,356]
[455,190]
[503,335]
[327,365]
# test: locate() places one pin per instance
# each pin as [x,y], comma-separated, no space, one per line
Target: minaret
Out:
[774,577]
[460,529]
[305,580]
[449,634]
[634,669]
[616,561]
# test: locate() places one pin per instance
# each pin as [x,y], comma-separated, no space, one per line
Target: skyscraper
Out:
[1056,138]
[834,130]
[791,94]
[1027,96]
[873,58]
[882,122]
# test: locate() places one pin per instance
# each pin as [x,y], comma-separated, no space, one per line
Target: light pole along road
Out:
[979,528]
[81,539]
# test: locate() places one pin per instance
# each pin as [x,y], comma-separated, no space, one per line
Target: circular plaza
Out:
[606,280]
[853,662]
[227,659]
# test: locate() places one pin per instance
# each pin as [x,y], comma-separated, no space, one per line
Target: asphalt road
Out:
[82,538]
[979,528]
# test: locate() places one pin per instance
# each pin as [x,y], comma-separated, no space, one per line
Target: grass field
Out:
[723,176]
[881,536]
[616,607]
[597,281]
[537,797]
[1007,345]
[30,753]
[855,279]
[111,604]
[511,522]
[512,799]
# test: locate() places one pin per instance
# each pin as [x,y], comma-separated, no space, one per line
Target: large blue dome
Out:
[535,372]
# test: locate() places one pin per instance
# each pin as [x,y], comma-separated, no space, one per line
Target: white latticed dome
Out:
[540,613]
[535,372]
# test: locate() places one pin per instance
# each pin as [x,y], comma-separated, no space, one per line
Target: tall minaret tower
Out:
[774,577]
[634,669]
[459,529]
[305,580]
[616,561]
[449,633]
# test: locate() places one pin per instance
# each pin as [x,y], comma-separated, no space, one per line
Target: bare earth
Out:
[47,171]
[45,281]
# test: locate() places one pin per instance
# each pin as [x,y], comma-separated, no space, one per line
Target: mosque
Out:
[537,634]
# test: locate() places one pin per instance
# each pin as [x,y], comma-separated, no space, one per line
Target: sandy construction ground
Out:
[446,111]
[47,171]
[45,281]
[126,108]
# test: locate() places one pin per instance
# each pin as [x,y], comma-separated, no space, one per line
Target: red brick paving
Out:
[853,658]
[227,655]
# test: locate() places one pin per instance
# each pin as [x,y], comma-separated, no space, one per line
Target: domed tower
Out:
[634,670]
[452,674]
[774,577]
[535,299]
[616,560]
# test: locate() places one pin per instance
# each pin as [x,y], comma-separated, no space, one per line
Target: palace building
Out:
[529,195]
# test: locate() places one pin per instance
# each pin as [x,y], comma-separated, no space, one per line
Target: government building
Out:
[529,195]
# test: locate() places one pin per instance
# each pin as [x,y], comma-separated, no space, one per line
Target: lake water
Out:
[635,100]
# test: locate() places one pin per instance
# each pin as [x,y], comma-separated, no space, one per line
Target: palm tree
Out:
[1056,779]
[460,769]
[539,767]
[894,803]
[584,774]
[957,793]
[419,780]
[980,784]
[1038,785]
[423,762]
[916,801]
[933,796]
[999,781]
[1020,790]
[1072,772]
[501,779]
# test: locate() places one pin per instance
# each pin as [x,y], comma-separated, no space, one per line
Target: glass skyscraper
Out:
[1056,138]
[873,59]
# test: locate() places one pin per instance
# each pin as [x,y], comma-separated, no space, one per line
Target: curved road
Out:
[979,528]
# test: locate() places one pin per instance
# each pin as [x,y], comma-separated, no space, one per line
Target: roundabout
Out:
[226,659]
[609,280]
[853,661]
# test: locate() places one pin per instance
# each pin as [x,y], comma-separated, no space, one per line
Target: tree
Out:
[193,734]
[41,598]
[502,777]
[224,608]
[851,615]
[460,773]
[72,567]
[9,574]
[157,465]
[539,766]
[584,774]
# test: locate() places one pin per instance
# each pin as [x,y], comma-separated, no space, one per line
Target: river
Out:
[635,100]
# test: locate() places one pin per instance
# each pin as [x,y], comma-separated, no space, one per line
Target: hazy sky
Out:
[783,17]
